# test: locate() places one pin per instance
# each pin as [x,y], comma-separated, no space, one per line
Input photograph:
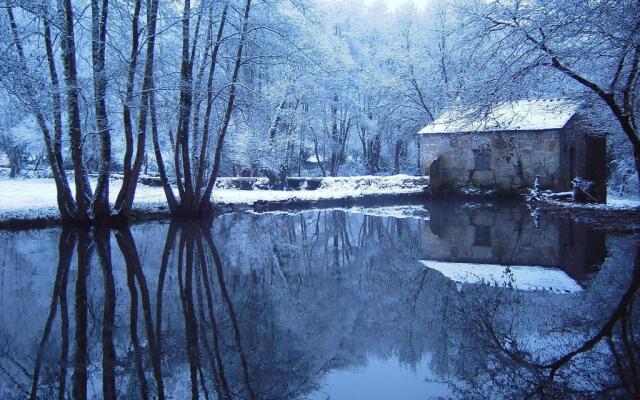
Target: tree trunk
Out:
[205,200]
[66,203]
[362,134]
[184,112]
[202,159]
[83,188]
[129,185]
[128,103]
[198,97]
[56,99]
[166,186]
[100,207]
[398,153]
[320,163]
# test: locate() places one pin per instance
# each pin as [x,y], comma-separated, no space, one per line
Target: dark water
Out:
[447,300]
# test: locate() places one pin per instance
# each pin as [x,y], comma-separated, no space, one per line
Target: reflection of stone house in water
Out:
[486,235]
[507,147]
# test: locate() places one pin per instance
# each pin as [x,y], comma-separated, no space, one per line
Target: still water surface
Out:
[445,300]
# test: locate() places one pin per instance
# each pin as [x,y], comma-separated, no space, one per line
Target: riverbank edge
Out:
[160,211]
[610,220]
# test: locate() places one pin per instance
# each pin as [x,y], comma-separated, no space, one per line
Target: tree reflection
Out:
[264,307]
[135,276]
[58,297]
[80,358]
[595,358]
[84,242]
[215,358]
[103,245]
[230,309]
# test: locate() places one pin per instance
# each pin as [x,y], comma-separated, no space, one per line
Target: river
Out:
[443,300]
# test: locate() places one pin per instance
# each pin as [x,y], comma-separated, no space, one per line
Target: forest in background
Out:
[195,89]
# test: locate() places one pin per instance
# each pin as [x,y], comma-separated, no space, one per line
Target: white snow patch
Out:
[332,188]
[522,115]
[521,277]
[36,198]
[228,183]
[623,202]
[613,203]
[314,159]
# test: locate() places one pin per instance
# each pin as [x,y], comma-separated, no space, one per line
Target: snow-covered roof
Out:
[521,115]
[521,277]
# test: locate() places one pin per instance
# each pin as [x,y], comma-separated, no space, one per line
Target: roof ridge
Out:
[516,115]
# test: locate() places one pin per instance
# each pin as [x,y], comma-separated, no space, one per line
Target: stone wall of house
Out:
[516,159]
[583,153]
[572,146]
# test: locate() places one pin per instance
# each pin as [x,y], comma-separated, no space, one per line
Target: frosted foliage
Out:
[324,88]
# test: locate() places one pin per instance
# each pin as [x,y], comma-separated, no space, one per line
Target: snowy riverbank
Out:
[35,199]
[619,214]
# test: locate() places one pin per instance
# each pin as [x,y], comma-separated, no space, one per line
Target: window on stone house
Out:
[482,236]
[482,159]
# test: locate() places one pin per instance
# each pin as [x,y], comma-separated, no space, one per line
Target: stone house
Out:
[509,146]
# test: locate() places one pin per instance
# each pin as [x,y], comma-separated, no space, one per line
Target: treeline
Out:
[191,90]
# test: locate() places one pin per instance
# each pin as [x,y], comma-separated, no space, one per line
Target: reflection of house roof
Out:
[521,277]
[522,115]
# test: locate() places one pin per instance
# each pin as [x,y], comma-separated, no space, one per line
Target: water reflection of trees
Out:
[110,333]
[264,306]
[508,354]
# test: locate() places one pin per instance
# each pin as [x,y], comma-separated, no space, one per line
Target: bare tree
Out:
[193,183]
[99,11]
[89,207]
[595,46]
[124,201]
[66,202]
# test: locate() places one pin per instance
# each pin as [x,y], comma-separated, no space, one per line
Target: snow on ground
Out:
[623,202]
[18,194]
[613,203]
[36,198]
[521,277]
[332,188]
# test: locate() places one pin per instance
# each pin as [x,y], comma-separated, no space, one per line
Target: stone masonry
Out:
[510,160]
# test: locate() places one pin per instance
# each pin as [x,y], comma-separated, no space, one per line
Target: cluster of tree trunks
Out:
[196,167]
[199,265]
